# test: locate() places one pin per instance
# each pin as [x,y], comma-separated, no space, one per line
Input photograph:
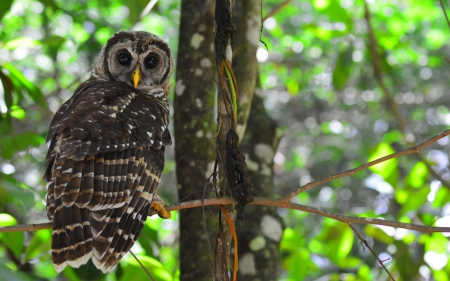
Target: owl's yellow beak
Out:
[136,76]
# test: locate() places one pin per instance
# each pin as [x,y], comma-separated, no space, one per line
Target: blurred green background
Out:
[320,87]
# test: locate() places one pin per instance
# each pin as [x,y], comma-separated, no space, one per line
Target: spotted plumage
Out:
[106,152]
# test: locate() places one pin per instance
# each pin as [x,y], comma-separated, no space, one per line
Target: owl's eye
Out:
[124,58]
[151,61]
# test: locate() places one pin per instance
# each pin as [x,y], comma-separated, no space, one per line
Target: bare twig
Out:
[277,9]
[415,149]
[280,203]
[145,12]
[143,267]
[371,250]
[377,68]
[445,12]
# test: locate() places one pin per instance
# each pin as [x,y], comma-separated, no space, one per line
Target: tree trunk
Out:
[260,235]
[194,129]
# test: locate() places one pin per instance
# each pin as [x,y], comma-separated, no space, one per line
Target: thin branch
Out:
[371,250]
[145,12]
[373,45]
[392,104]
[445,12]
[143,267]
[280,203]
[411,150]
[346,219]
[277,9]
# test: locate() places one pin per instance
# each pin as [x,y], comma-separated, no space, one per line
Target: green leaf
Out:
[416,199]
[436,242]
[40,243]
[20,81]
[13,240]
[417,176]
[378,234]
[53,41]
[13,191]
[387,169]
[342,70]
[349,262]
[7,273]
[49,3]
[442,197]
[9,145]
[17,112]
[148,239]
[300,256]
[133,271]
[21,41]
[337,240]
[5,7]
[291,240]
[407,268]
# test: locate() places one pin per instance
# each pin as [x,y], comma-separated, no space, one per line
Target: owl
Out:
[106,153]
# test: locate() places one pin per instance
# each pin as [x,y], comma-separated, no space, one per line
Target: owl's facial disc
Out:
[144,68]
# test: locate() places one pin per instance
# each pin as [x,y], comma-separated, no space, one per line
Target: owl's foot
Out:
[157,207]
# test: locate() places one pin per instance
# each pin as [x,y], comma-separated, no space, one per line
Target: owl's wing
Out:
[104,163]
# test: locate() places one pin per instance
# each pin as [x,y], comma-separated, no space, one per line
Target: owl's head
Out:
[138,58]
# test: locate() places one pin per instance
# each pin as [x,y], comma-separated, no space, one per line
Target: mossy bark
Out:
[194,129]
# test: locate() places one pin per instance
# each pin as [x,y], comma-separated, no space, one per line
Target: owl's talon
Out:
[157,207]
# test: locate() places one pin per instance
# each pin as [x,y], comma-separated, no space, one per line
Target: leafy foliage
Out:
[319,85]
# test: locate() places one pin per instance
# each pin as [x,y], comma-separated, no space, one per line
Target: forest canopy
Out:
[345,81]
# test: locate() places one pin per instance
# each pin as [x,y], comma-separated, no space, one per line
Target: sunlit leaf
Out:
[417,176]
[335,241]
[13,240]
[17,112]
[378,234]
[442,197]
[387,169]
[416,199]
[291,240]
[133,271]
[20,42]
[40,243]
[300,256]
[436,242]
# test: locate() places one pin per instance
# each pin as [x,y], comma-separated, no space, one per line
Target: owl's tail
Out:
[71,237]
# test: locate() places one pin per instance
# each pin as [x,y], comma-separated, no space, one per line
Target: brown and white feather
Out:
[106,156]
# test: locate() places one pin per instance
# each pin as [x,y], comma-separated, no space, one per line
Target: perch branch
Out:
[280,203]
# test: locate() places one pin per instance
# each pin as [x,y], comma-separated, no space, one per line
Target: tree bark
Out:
[194,129]
[247,19]
[260,235]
